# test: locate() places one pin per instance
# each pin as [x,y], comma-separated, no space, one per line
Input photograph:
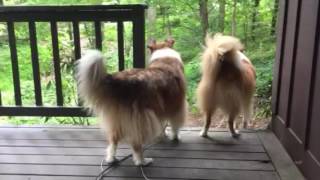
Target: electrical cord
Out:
[110,166]
[118,162]
[143,174]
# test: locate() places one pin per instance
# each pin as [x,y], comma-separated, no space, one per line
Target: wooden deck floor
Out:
[52,153]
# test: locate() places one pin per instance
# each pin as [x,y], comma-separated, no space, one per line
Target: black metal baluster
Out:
[56,62]
[14,63]
[120,45]
[35,62]
[0,99]
[76,39]
[98,34]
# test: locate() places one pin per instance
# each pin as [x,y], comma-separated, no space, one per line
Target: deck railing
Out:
[74,14]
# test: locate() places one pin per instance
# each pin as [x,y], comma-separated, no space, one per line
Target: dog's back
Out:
[153,88]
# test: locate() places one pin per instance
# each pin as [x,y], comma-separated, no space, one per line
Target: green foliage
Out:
[176,18]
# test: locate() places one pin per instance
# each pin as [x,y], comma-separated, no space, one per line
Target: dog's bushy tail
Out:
[215,50]
[90,73]
[223,44]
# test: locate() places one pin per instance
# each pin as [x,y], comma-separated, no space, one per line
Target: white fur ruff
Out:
[163,53]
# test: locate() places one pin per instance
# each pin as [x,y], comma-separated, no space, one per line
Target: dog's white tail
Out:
[216,49]
[90,72]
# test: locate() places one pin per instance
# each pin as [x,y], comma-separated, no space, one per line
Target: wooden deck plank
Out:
[15,157]
[102,143]
[182,147]
[28,177]
[186,173]
[215,138]
[158,162]
[31,177]
[76,153]
[208,164]
[95,135]
[123,171]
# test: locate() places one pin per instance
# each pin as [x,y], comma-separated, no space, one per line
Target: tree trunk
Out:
[203,11]
[274,17]
[245,31]
[222,12]
[70,31]
[89,35]
[234,15]
[163,14]
[151,20]
[254,18]
[168,24]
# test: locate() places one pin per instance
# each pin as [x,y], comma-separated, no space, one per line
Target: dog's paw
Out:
[236,134]
[203,133]
[245,125]
[111,160]
[162,138]
[174,137]
[144,162]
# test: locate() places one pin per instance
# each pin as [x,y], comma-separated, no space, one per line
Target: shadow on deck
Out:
[75,153]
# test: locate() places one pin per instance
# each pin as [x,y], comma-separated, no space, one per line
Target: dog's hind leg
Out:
[247,110]
[138,158]
[177,122]
[112,148]
[204,131]
[231,119]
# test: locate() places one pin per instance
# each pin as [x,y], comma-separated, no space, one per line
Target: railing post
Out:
[139,40]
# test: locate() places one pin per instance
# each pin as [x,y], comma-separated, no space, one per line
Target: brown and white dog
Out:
[228,81]
[135,104]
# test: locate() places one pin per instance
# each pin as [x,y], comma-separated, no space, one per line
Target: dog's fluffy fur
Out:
[228,81]
[135,104]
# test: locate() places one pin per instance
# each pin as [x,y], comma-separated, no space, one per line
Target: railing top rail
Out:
[72,8]
[70,13]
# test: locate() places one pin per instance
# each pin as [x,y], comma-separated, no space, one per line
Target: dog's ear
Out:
[170,42]
[151,45]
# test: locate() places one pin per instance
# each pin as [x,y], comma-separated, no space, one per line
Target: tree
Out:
[1,2]
[165,18]
[222,12]
[151,20]
[203,11]
[234,16]
[254,18]
[274,17]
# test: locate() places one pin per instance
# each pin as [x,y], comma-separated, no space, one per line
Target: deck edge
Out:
[283,163]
